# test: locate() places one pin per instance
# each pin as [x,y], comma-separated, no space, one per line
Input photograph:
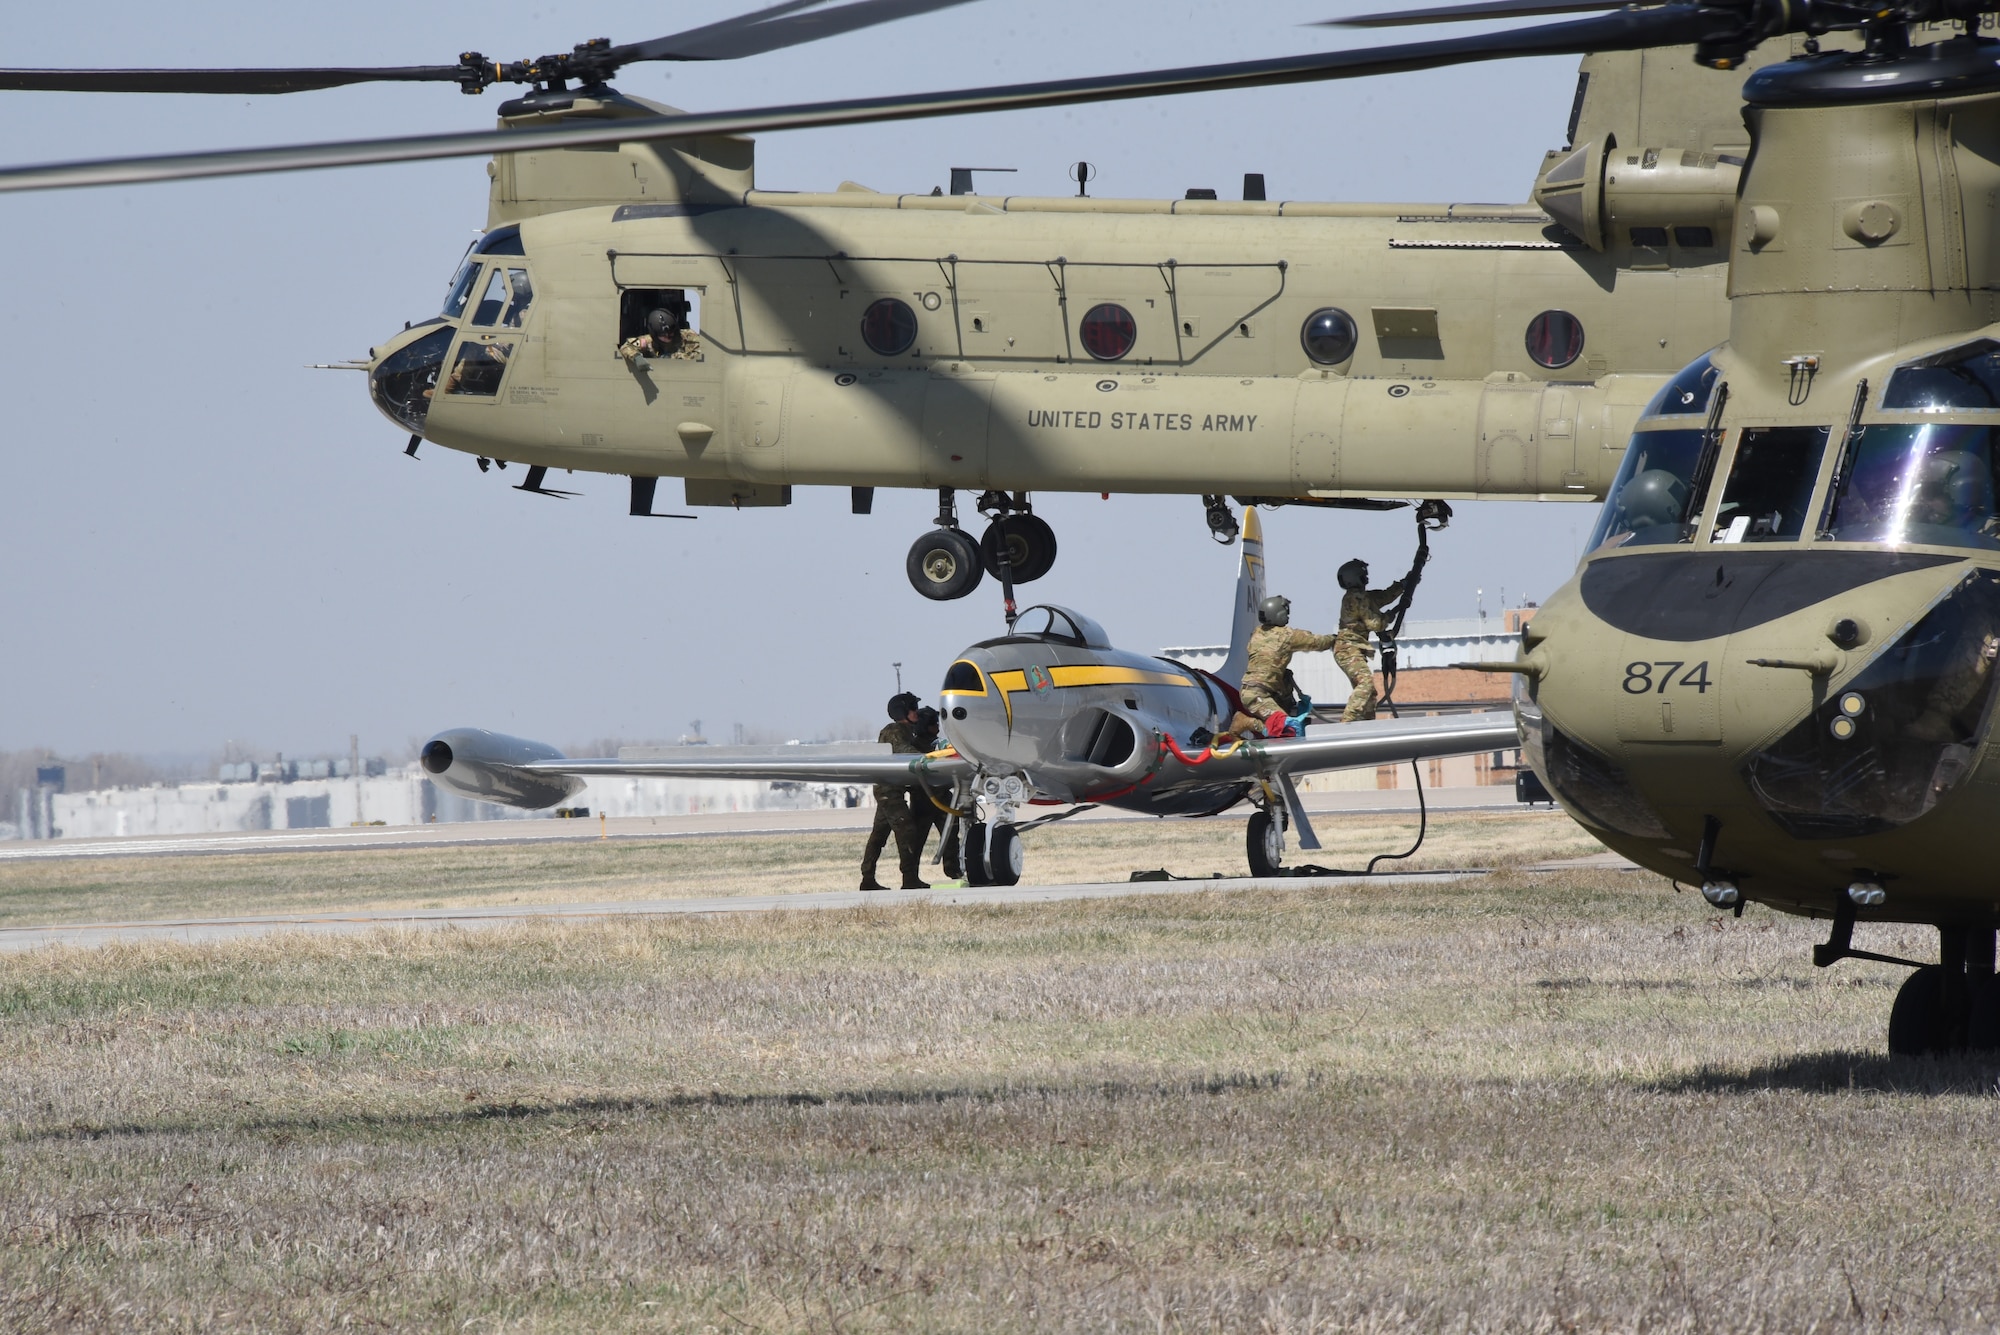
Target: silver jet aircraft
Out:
[1049,714]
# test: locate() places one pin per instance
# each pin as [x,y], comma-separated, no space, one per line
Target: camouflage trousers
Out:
[1259,702]
[1353,660]
[892,815]
[927,816]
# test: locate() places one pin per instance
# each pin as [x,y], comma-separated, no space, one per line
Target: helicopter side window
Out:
[1960,378]
[1933,483]
[461,290]
[659,322]
[479,369]
[1770,484]
[493,299]
[522,295]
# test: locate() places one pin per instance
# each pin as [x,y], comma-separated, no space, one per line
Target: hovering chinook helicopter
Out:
[1288,351]
[1048,714]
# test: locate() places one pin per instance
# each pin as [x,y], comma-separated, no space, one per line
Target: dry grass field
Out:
[585,871]
[1536,1102]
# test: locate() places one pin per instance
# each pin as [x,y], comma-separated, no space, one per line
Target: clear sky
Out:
[206,541]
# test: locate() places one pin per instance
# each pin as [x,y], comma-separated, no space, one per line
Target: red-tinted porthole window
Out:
[1109,331]
[889,327]
[1555,339]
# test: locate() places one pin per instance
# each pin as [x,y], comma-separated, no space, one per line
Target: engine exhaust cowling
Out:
[490,767]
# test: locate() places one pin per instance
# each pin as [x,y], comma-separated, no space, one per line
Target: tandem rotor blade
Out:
[1483,9]
[769,29]
[1669,25]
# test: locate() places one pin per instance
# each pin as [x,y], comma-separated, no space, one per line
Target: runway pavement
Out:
[708,825]
[223,929]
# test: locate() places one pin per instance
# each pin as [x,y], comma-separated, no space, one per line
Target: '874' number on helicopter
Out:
[1640,678]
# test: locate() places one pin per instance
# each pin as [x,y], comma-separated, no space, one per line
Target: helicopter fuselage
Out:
[1057,344]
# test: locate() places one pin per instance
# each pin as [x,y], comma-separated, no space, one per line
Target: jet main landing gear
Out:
[1265,841]
[946,564]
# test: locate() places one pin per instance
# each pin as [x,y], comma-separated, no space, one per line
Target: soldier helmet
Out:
[927,719]
[1354,575]
[661,322]
[901,705]
[1274,611]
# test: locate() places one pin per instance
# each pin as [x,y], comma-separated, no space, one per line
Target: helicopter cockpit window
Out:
[479,369]
[492,299]
[1964,378]
[1652,499]
[1770,484]
[1687,394]
[1931,483]
[461,290]
[521,295]
[501,241]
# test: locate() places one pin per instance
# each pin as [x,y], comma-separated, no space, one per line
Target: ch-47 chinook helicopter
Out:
[1047,714]
[1773,675]
[1290,351]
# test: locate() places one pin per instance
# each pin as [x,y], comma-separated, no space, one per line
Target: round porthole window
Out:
[1555,339]
[1329,336]
[889,327]
[1109,331]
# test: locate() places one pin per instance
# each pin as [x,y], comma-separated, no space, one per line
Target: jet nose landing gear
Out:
[1017,546]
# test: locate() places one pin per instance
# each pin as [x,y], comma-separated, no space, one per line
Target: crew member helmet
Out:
[901,705]
[662,323]
[1354,575]
[1275,611]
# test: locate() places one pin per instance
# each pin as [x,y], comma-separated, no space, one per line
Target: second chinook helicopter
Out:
[999,346]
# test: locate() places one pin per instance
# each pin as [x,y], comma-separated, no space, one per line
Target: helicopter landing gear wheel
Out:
[1921,1021]
[1025,542]
[944,564]
[973,854]
[1266,845]
[1003,855]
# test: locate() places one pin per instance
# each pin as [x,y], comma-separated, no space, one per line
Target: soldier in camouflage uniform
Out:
[926,809]
[666,335]
[1269,694]
[892,801]
[1360,614]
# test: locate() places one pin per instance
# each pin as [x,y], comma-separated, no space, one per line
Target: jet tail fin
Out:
[1249,592]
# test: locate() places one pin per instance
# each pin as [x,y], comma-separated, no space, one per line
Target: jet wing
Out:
[833,766]
[1385,742]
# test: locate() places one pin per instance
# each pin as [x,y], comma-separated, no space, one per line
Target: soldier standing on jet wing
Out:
[1360,613]
[892,804]
[1268,691]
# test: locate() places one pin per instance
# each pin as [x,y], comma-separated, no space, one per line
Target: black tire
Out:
[1028,541]
[1003,855]
[944,564]
[1265,843]
[974,854]
[1920,1023]
[1982,1026]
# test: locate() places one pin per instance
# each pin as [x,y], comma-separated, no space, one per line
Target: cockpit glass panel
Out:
[1770,484]
[1649,499]
[1960,379]
[461,289]
[1046,622]
[1932,483]
[1687,394]
[478,369]
[501,241]
[492,300]
[522,295]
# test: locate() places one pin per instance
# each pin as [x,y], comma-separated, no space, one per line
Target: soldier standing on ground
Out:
[931,807]
[1360,614]
[892,802]
[1269,694]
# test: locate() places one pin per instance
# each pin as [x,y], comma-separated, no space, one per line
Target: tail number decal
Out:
[1642,679]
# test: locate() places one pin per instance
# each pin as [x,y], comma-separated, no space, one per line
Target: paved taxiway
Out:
[707,825]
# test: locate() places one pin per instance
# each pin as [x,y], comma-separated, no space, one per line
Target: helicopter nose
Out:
[1835,697]
[405,374]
